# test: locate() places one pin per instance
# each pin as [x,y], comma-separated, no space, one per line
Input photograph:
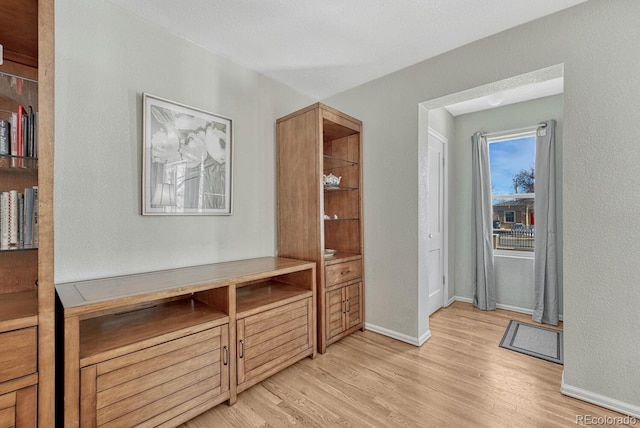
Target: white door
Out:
[436,222]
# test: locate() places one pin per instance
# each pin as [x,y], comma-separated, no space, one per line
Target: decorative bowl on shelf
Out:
[328,252]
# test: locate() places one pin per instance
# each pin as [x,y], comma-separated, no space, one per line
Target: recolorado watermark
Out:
[605,420]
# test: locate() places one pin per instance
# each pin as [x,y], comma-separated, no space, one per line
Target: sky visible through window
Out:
[507,158]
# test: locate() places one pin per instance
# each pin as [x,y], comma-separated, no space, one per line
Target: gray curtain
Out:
[545,272]
[484,284]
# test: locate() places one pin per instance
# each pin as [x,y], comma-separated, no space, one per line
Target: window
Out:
[512,168]
[509,216]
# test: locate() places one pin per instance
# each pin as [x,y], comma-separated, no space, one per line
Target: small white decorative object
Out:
[331,180]
[329,252]
[335,216]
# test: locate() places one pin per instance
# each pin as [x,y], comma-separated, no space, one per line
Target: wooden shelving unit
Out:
[314,142]
[26,272]
[181,340]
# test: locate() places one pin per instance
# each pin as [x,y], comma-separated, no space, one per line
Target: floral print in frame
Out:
[186,160]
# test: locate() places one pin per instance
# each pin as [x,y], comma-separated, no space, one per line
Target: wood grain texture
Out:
[26,403]
[18,270]
[18,354]
[163,356]
[19,31]
[268,295]
[273,339]
[119,334]
[91,296]
[18,310]
[343,272]
[459,378]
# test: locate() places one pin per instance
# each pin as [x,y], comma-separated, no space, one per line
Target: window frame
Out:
[505,214]
[520,254]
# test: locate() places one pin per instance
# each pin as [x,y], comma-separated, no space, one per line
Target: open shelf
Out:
[19,165]
[332,162]
[112,335]
[340,257]
[339,188]
[18,310]
[265,295]
[342,219]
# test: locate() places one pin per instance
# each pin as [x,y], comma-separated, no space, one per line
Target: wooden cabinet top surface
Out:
[106,293]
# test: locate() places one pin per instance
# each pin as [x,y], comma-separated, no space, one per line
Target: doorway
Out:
[450,117]
[436,220]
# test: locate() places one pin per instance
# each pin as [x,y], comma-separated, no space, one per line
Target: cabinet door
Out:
[157,384]
[335,307]
[18,408]
[353,300]
[273,339]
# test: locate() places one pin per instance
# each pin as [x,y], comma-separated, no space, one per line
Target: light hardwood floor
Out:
[458,378]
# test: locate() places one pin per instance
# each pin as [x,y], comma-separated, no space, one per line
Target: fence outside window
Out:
[518,238]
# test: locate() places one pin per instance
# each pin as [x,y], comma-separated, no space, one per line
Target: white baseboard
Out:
[498,305]
[460,299]
[399,336]
[600,400]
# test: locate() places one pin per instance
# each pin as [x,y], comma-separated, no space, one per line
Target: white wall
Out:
[514,276]
[598,42]
[105,59]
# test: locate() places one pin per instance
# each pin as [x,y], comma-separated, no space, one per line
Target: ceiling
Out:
[504,97]
[324,47]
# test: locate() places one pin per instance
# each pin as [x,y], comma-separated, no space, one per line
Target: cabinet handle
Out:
[348,305]
[241,348]
[345,272]
[344,307]
[225,356]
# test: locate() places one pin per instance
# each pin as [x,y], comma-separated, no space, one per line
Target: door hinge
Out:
[444,280]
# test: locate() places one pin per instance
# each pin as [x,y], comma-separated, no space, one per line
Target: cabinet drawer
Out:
[18,353]
[156,384]
[342,272]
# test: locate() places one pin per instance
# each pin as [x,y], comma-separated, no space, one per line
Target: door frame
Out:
[424,130]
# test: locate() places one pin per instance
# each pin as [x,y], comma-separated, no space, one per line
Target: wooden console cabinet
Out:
[162,347]
[315,216]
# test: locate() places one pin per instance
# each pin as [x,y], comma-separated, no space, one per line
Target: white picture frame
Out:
[187,159]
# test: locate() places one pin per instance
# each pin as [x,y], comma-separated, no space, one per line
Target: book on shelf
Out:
[13,142]
[5,137]
[4,220]
[29,199]
[22,122]
[19,133]
[34,218]
[19,218]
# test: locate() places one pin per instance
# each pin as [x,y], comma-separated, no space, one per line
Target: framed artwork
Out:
[186,160]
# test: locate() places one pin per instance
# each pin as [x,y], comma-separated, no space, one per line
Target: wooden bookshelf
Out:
[27,294]
[313,142]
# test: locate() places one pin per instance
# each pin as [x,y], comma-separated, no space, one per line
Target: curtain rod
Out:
[508,131]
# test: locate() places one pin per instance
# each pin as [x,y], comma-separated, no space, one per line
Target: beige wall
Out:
[105,60]
[598,43]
